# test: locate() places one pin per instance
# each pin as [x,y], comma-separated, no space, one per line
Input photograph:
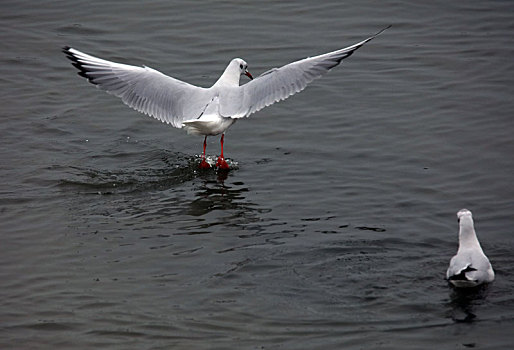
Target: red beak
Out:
[247,73]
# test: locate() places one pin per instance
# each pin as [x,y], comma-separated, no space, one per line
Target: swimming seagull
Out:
[470,267]
[205,111]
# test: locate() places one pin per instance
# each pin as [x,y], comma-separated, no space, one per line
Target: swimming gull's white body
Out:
[204,111]
[470,267]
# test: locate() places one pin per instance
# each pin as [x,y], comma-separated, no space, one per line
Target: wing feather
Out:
[277,84]
[142,88]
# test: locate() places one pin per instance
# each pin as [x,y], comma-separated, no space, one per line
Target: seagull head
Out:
[464,213]
[243,67]
[233,72]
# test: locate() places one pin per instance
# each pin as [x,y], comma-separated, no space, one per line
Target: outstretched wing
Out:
[279,83]
[142,88]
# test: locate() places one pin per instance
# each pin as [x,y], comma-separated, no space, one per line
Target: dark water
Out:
[336,225]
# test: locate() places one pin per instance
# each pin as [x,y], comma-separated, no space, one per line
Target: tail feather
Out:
[461,276]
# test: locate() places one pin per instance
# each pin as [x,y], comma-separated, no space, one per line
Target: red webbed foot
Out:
[204,165]
[222,164]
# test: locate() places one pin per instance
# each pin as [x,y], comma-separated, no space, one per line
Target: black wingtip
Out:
[82,71]
[358,45]
[84,75]
[68,53]
[381,30]
[461,276]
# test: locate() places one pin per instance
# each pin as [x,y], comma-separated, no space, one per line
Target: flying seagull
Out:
[470,267]
[205,111]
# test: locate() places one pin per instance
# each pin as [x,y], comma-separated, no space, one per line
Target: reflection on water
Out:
[215,195]
[464,301]
[217,202]
[150,195]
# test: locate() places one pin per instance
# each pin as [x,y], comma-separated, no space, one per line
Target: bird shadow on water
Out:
[464,301]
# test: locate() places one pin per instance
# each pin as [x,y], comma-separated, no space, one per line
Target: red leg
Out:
[221,163]
[204,164]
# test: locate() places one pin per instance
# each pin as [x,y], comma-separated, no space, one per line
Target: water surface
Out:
[335,226]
